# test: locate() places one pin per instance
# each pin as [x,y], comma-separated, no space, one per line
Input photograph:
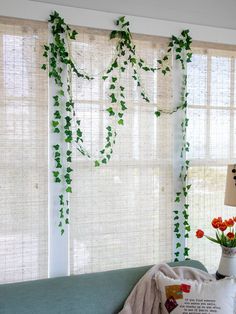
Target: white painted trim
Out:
[178,162]
[90,18]
[58,257]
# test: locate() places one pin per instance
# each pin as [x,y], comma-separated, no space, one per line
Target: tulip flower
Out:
[226,239]
[199,233]
[230,235]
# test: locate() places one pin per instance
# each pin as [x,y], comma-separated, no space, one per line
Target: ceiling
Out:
[216,13]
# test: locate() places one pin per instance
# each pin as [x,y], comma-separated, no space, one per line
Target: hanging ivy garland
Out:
[60,64]
[59,59]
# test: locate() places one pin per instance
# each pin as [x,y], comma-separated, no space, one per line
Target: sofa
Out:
[96,293]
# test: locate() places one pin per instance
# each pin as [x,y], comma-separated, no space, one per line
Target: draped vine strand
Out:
[61,64]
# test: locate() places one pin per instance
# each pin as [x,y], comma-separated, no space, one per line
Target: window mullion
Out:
[232,112]
[178,161]
[58,244]
[208,107]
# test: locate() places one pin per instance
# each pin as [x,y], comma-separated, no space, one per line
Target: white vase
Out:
[227,265]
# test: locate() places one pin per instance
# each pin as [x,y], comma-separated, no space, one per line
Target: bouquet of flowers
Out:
[225,232]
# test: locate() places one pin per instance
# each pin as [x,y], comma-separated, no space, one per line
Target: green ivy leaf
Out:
[55,123]
[69,189]
[56,130]
[97,163]
[73,34]
[113,34]
[115,64]
[110,111]
[56,147]
[113,98]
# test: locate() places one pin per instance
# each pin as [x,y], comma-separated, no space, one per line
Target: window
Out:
[121,213]
[23,151]
[212,130]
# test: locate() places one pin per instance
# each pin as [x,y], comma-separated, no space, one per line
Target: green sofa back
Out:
[97,293]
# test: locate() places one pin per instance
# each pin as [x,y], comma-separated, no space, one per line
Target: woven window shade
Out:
[212,134]
[121,213]
[23,151]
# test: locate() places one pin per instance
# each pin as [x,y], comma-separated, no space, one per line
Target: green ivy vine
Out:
[60,64]
[57,54]
[180,47]
[181,196]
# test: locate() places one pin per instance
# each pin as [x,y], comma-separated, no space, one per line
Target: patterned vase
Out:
[227,265]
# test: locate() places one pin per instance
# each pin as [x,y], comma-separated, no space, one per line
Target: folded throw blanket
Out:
[145,298]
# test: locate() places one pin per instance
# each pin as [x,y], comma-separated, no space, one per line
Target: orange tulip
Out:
[199,233]
[223,226]
[229,222]
[230,235]
[216,223]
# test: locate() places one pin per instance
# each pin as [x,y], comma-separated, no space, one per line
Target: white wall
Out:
[217,13]
[91,18]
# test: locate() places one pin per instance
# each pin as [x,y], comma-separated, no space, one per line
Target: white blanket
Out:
[145,298]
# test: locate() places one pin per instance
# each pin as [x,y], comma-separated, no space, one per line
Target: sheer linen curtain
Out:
[212,135]
[121,213]
[23,151]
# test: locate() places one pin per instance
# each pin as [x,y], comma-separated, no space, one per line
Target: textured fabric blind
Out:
[23,151]
[212,134]
[121,213]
